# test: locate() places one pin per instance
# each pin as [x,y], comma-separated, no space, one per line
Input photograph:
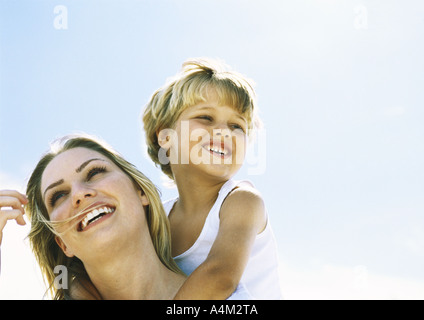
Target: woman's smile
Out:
[96,200]
[97,213]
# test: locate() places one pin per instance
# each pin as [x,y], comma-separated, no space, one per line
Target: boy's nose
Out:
[222,131]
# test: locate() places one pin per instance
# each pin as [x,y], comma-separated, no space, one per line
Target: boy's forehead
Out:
[211,96]
[211,105]
[211,93]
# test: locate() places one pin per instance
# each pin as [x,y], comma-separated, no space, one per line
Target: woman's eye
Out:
[55,197]
[94,172]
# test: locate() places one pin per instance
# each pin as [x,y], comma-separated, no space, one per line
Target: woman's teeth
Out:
[94,215]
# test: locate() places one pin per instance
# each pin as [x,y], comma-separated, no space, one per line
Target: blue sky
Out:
[340,87]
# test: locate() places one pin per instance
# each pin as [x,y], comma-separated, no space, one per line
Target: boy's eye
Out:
[235,126]
[208,118]
[94,172]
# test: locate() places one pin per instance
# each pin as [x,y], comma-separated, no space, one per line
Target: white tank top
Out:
[260,279]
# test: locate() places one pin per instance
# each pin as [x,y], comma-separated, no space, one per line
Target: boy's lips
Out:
[218,148]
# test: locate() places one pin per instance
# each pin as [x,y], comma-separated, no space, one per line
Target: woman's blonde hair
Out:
[42,235]
[190,87]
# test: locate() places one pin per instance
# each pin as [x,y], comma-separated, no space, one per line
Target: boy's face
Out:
[211,138]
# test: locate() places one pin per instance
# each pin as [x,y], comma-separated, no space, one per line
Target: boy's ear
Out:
[163,139]
[67,251]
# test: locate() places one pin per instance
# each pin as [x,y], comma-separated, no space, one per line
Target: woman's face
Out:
[81,179]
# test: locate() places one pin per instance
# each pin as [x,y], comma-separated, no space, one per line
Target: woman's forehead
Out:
[69,162]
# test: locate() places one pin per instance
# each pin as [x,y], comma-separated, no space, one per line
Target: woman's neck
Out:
[134,275]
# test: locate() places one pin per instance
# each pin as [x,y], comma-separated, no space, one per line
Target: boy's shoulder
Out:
[168,204]
[244,196]
[242,191]
[246,202]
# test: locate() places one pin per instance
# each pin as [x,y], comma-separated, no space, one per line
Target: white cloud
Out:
[8,181]
[20,276]
[395,111]
[330,282]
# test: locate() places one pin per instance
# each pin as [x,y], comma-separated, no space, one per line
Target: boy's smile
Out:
[218,148]
[210,136]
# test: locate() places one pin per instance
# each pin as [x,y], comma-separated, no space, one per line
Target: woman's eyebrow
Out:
[81,167]
[54,184]
[77,170]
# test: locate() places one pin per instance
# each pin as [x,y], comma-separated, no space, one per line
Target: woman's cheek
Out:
[117,184]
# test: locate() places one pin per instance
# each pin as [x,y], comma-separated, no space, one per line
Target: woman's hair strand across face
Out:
[43,231]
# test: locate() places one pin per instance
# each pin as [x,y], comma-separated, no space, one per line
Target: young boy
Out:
[197,127]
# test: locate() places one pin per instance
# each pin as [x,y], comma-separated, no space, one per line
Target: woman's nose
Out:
[81,193]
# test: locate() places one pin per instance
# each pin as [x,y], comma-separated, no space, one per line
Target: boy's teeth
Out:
[222,151]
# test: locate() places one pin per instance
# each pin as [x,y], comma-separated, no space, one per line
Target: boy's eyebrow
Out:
[241,117]
[203,108]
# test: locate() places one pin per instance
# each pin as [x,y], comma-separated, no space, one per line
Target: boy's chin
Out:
[214,170]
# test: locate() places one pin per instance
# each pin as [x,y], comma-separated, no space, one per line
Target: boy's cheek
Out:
[240,153]
[239,142]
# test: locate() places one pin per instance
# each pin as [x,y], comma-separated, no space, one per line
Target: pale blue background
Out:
[341,99]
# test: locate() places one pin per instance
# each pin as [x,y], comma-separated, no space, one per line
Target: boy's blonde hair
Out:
[190,87]
[42,236]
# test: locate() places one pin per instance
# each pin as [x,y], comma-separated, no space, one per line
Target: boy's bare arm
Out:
[83,290]
[242,217]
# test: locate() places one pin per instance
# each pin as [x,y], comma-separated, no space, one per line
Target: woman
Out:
[95,214]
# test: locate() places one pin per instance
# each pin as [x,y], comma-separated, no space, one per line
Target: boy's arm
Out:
[242,217]
[83,290]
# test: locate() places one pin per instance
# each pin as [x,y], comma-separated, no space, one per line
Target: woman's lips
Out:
[96,214]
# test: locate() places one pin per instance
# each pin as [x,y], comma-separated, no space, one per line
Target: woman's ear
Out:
[68,252]
[144,200]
